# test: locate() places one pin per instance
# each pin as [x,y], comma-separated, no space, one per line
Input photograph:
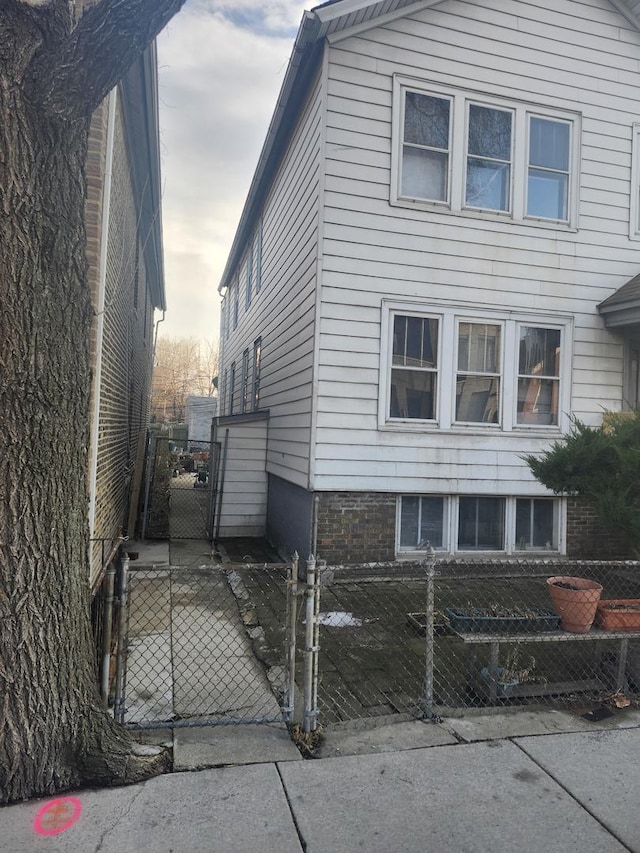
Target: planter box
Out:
[531,621]
[618,614]
[504,688]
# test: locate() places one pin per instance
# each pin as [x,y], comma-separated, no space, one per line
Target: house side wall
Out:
[282,313]
[573,57]
[127,338]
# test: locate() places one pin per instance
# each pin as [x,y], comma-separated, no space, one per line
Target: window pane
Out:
[535,523]
[539,351]
[426,120]
[489,133]
[409,510]
[547,194]
[477,399]
[415,341]
[481,524]
[478,347]
[538,401]
[425,174]
[413,394]
[488,184]
[431,522]
[549,144]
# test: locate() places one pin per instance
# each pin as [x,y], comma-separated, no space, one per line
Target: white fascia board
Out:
[381,20]
[325,14]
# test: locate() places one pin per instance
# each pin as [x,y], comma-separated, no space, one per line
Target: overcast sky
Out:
[221,65]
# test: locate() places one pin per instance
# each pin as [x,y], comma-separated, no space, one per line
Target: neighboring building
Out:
[200,413]
[127,282]
[446,194]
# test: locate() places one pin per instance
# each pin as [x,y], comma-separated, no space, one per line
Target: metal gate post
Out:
[150,473]
[292,618]
[310,713]
[428,636]
[107,631]
[123,639]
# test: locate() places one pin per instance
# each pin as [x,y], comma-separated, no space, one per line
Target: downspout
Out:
[100,308]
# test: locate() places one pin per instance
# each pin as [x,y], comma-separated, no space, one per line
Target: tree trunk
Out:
[54,732]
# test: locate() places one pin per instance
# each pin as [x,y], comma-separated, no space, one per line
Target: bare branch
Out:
[108,37]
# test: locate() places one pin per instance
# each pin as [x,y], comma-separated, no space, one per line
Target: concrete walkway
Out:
[543,793]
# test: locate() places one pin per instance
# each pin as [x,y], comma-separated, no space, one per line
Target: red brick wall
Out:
[586,539]
[356,527]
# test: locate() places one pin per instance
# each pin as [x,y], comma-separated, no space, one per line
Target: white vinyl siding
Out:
[282,248]
[474,263]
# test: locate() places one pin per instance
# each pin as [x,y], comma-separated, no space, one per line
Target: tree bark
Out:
[54,733]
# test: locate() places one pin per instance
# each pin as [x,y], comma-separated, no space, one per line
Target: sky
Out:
[220,67]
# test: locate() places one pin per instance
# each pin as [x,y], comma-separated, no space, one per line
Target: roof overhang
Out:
[622,315]
[139,98]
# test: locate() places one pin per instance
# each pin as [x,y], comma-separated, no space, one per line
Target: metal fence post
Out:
[121,658]
[310,713]
[428,636]
[107,631]
[292,618]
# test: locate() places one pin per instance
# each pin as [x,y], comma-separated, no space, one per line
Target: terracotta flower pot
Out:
[575,600]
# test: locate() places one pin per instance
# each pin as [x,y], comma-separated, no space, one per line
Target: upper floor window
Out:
[634,211]
[236,302]
[232,386]
[245,381]
[257,358]
[444,369]
[483,154]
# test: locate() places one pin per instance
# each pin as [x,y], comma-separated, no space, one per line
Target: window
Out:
[488,176]
[232,386]
[536,524]
[634,209]
[489,155]
[481,524]
[538,375]
[447,371]
[414,367]
[257,356]
[478,373]
[245,381]
[463,523]
[425,155]
[421,523]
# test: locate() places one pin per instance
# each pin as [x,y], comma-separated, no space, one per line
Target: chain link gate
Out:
[191,654]
[179,497]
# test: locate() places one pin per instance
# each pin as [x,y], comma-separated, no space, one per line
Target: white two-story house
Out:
[434,271]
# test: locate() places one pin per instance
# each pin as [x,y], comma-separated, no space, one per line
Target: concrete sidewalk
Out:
[542,793]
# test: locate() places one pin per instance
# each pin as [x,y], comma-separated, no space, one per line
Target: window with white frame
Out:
[414,367]
[232,386]
[245,381]
[257,358]
[463,523]
[464,152]
[634,209]
[447,370]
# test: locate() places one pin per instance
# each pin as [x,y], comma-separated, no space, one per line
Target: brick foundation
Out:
[587,540]
[355,527]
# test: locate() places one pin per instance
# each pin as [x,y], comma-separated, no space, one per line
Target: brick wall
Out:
[127,339]
[356,527]
[586,539]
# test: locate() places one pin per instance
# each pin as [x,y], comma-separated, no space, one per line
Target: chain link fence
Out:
[238,643]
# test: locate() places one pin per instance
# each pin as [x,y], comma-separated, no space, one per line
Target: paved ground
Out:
[544,793]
